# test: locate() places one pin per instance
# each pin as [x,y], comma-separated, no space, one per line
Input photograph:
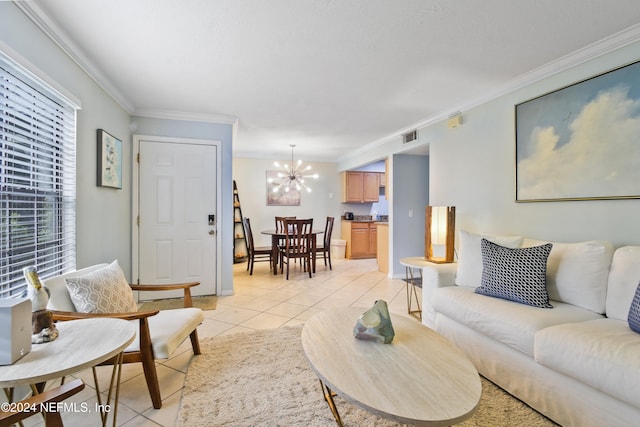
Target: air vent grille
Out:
[409,136]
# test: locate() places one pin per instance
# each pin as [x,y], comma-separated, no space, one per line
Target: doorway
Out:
[176,205]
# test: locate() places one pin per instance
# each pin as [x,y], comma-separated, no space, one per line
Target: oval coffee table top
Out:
[419,378]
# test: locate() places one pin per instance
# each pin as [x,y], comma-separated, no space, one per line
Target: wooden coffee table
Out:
[419,378]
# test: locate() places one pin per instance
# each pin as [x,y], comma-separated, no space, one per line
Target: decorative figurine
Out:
[43,328]
[375,324]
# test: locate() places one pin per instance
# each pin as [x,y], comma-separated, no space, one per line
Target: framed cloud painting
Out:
[581,142]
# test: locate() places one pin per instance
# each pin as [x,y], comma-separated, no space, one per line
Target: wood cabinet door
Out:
[353,187]
[359,241]
[373,240]
[371,187]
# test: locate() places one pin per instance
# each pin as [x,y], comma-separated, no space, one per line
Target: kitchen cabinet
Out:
[360,187]
[361,239]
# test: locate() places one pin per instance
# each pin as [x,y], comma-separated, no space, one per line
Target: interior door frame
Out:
[135,200]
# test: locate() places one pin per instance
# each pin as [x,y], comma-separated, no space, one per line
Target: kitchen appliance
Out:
[348,215]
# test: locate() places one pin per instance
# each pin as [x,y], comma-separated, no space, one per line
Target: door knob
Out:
[212,231]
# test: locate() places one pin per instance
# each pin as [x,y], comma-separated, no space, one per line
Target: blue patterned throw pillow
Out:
[634,312]
[518,275]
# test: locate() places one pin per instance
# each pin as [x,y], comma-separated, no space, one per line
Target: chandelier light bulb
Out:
[292,177]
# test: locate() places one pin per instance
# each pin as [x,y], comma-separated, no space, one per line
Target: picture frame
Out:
[281,198]
[580,142]
[109,162]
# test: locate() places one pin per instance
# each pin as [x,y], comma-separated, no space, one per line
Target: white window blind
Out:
[37,179]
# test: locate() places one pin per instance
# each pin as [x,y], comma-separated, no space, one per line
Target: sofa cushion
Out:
[508,322]
[102,291]
[600,353]
[577,273]
[634,312]
[518,275]
[470,255]
[623,281]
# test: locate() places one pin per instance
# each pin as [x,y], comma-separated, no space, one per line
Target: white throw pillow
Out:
[102,291]
[578,273]
[623,281]
[470,255]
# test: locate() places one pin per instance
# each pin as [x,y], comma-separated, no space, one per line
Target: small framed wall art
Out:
[109,160]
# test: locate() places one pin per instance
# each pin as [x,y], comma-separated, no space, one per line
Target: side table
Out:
[412,266]
[81,344]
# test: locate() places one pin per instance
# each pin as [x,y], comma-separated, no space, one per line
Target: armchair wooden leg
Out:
[151,376]
[195,343]
[149,364]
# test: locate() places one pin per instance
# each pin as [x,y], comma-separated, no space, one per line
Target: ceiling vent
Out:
[409,136]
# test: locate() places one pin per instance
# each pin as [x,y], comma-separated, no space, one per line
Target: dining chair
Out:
[256,253]
[298,244]
[45,402]
[280,227]
[324,249]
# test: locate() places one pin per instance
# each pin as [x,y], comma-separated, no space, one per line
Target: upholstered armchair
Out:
[102,290]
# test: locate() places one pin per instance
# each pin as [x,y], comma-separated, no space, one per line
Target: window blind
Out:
[37,180]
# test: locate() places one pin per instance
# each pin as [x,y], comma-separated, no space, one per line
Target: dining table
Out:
[278,235]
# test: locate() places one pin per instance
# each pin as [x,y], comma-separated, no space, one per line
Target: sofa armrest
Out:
[435,276]
[438,276]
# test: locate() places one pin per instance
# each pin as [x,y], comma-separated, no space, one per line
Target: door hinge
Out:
[138,157]
[138,221]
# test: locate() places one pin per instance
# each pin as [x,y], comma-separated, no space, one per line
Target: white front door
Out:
[177,216]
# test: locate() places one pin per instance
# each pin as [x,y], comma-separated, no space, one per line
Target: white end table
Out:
[411,265]
[81,344]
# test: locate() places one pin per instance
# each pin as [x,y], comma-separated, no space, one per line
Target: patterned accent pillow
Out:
[102,291]
[634,312]
[518,275]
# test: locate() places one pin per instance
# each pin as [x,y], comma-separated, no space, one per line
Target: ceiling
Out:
[330,76]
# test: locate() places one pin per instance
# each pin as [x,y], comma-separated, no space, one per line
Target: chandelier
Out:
[292,177]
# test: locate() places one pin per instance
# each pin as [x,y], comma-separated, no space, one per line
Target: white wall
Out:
[205,131]
[473,168]
[323,201]
[103,214]
[410,198]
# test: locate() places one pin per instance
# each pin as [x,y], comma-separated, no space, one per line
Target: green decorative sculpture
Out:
[375,324]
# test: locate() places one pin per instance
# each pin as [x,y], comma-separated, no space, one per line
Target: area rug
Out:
[262,378]
[208,302]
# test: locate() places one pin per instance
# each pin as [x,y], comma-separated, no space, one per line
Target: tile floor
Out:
[259,301]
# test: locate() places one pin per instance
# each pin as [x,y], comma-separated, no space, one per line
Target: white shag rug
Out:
[262,378]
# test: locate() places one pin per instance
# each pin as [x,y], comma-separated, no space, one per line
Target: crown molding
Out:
[601,47]
[186,116]
[71,49]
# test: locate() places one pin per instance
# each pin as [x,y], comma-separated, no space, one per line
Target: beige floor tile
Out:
[236,315]
[265,321]
[287,309]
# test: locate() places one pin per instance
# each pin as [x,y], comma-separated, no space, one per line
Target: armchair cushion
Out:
[168,329]
[105,290]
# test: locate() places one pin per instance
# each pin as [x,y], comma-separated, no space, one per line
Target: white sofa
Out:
[578,362]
